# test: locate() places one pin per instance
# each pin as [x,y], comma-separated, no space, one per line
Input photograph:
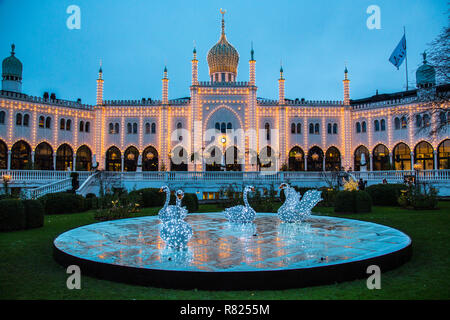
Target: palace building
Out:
[223,125]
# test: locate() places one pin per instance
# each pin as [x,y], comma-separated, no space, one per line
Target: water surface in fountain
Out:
[220,246]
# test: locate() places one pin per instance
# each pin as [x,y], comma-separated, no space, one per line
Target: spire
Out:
[424,54]
[223,21]
[252,52]
[281,70]
[100,70]
[13,46]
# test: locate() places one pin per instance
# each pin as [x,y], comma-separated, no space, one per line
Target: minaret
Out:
[281,87]
[100,86]
[165,87]
[346,83]
[252,73]
[194,68]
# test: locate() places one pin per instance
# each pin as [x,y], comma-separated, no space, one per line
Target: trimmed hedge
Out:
[353,202]
[12,215]
[63,202]
[385,194]
[149,197]
[34,213]
[190,200]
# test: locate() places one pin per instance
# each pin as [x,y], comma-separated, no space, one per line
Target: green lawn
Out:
[28,271]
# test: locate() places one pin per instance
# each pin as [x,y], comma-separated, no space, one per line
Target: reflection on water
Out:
[217,245]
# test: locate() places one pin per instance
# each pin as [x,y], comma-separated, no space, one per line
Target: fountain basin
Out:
[266,254]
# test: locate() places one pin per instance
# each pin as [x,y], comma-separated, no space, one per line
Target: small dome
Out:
[425,74]
[223,57]
[11,66]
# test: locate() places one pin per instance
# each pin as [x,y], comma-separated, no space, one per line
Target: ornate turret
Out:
[12,73]
[346,84]
[425,74]
[223,58]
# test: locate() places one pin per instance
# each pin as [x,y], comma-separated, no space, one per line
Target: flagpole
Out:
[406,58]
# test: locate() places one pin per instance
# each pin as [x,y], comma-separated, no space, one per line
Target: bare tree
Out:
[435,117]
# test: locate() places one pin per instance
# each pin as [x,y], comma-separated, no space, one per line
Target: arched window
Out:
[84,159]
[315,159]
[329,128]
[213,159]
[153,127]
[179,125]
[82,126]
[68,124]
[3,155]
[443,118]
[223,127]
[335,128]
[26,120]
[131,156]
[150,159]
[21,156]
[43,157]
[296,160]
[233,159]
[418,120]
[426,120]
[18,119]
[381,159]
[147,128]
[135,128]
[332,159]
[397,123]
[87,126]
[363,126]
[402,157]
[360,160]
[444,155]
[113,159]
[267,128]
[358,127]
[424,155]
[383,125]
[179,159]
[229,126]
[129,128]
[41,121]
[2,117]
[404,122]
[376,125]
[293,128]
[217,126]
[311,128]
[62,124]
[64,157]
[116,128]
[317,129]
[299,128]
[48,122]
[111,128]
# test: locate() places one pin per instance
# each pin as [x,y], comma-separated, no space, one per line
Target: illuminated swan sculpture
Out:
[170,212]
[175,232]
[241,214]
[294,209]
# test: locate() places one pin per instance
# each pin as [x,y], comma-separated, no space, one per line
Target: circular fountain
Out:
[265,254]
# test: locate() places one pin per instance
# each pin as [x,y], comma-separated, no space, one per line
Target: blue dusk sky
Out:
[136,38]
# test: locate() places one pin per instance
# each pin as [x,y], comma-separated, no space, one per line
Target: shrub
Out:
[149,197]
[419,197]
[34,213]
[91,201]
[385,194]
[190,201]
[12,215]
[353,202]
[62,202]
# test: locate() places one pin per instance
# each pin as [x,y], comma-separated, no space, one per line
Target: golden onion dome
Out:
[223,57]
